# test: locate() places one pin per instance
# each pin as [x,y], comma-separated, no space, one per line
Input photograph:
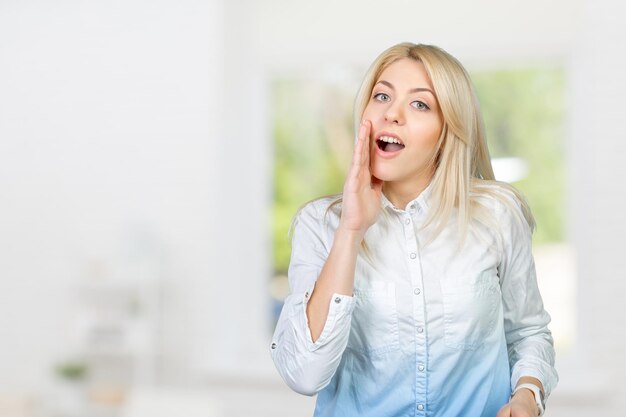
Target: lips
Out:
[389,143]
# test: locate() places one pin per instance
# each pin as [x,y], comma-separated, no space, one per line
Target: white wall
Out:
[239,303]
[592,379]
[299,34]
[107,125]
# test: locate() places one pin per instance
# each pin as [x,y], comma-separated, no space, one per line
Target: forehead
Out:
[406,72]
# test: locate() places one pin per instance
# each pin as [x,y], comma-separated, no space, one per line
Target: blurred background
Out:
[153,153]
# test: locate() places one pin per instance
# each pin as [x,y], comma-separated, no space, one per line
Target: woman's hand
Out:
[361,191]
[521,405]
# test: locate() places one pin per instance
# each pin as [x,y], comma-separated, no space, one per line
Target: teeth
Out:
[389,139]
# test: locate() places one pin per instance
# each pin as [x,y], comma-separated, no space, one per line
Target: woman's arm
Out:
[361,205]
[337,277]
[530,343]
[305,364]
[314,325]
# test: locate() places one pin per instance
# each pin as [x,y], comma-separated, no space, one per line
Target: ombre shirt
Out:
[432,330]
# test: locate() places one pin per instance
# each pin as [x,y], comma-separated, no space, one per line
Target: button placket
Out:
[408,224]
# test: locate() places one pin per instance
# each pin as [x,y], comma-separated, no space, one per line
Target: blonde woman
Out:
[414,292]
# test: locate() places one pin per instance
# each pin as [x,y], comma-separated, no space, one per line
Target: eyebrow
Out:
[413,90]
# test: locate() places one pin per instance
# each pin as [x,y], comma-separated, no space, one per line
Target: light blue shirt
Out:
[431,330]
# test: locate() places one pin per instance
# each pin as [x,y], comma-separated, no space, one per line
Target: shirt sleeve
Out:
[308,366]
[529,341]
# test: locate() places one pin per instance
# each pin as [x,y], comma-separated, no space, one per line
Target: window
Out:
[523,111]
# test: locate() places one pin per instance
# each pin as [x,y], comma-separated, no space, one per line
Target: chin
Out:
[384,174]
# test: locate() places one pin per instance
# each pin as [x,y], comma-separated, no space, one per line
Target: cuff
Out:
[535,372]
[339,315]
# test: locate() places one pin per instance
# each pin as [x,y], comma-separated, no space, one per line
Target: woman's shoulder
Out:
[321,208]
[495,194]
[503,201]
[318,218]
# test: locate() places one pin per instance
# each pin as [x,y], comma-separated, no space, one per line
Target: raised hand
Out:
[361,206]
[361,191]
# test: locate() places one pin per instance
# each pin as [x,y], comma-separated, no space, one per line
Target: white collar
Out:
[421,201]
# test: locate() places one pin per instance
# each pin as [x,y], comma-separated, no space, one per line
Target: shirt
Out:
[430,330]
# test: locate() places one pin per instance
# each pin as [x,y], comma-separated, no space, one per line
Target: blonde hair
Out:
[462,163]
[462,166]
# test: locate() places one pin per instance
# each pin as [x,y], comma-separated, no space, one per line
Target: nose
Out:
[394,113]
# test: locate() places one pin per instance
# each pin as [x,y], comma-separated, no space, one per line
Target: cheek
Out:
[429,132]
[371,113]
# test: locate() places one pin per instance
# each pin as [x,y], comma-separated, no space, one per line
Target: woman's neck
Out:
[402,193]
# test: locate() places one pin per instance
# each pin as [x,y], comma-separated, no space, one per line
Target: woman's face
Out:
[406,123]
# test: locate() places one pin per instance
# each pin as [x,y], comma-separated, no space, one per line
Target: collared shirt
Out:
[437,330]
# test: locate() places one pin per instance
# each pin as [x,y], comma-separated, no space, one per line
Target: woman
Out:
[414,292]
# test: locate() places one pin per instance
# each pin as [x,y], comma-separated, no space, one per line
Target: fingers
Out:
[358,150]
[361,150]
[364,135]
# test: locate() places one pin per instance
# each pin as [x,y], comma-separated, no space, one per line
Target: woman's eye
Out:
[420,105]
[381,97]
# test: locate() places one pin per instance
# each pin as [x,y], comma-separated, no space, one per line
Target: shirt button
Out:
[417,291]
[420,330]
[420,407]
[408,221]
[421,368]
[273,345]
[337,300]
[413,255]
[306,295]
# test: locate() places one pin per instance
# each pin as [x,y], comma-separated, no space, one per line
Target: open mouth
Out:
[389,144]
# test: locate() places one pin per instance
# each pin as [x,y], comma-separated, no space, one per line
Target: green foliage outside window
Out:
[312,130]
[524,112]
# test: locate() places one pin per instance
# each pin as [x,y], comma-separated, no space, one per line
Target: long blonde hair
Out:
[462,164]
